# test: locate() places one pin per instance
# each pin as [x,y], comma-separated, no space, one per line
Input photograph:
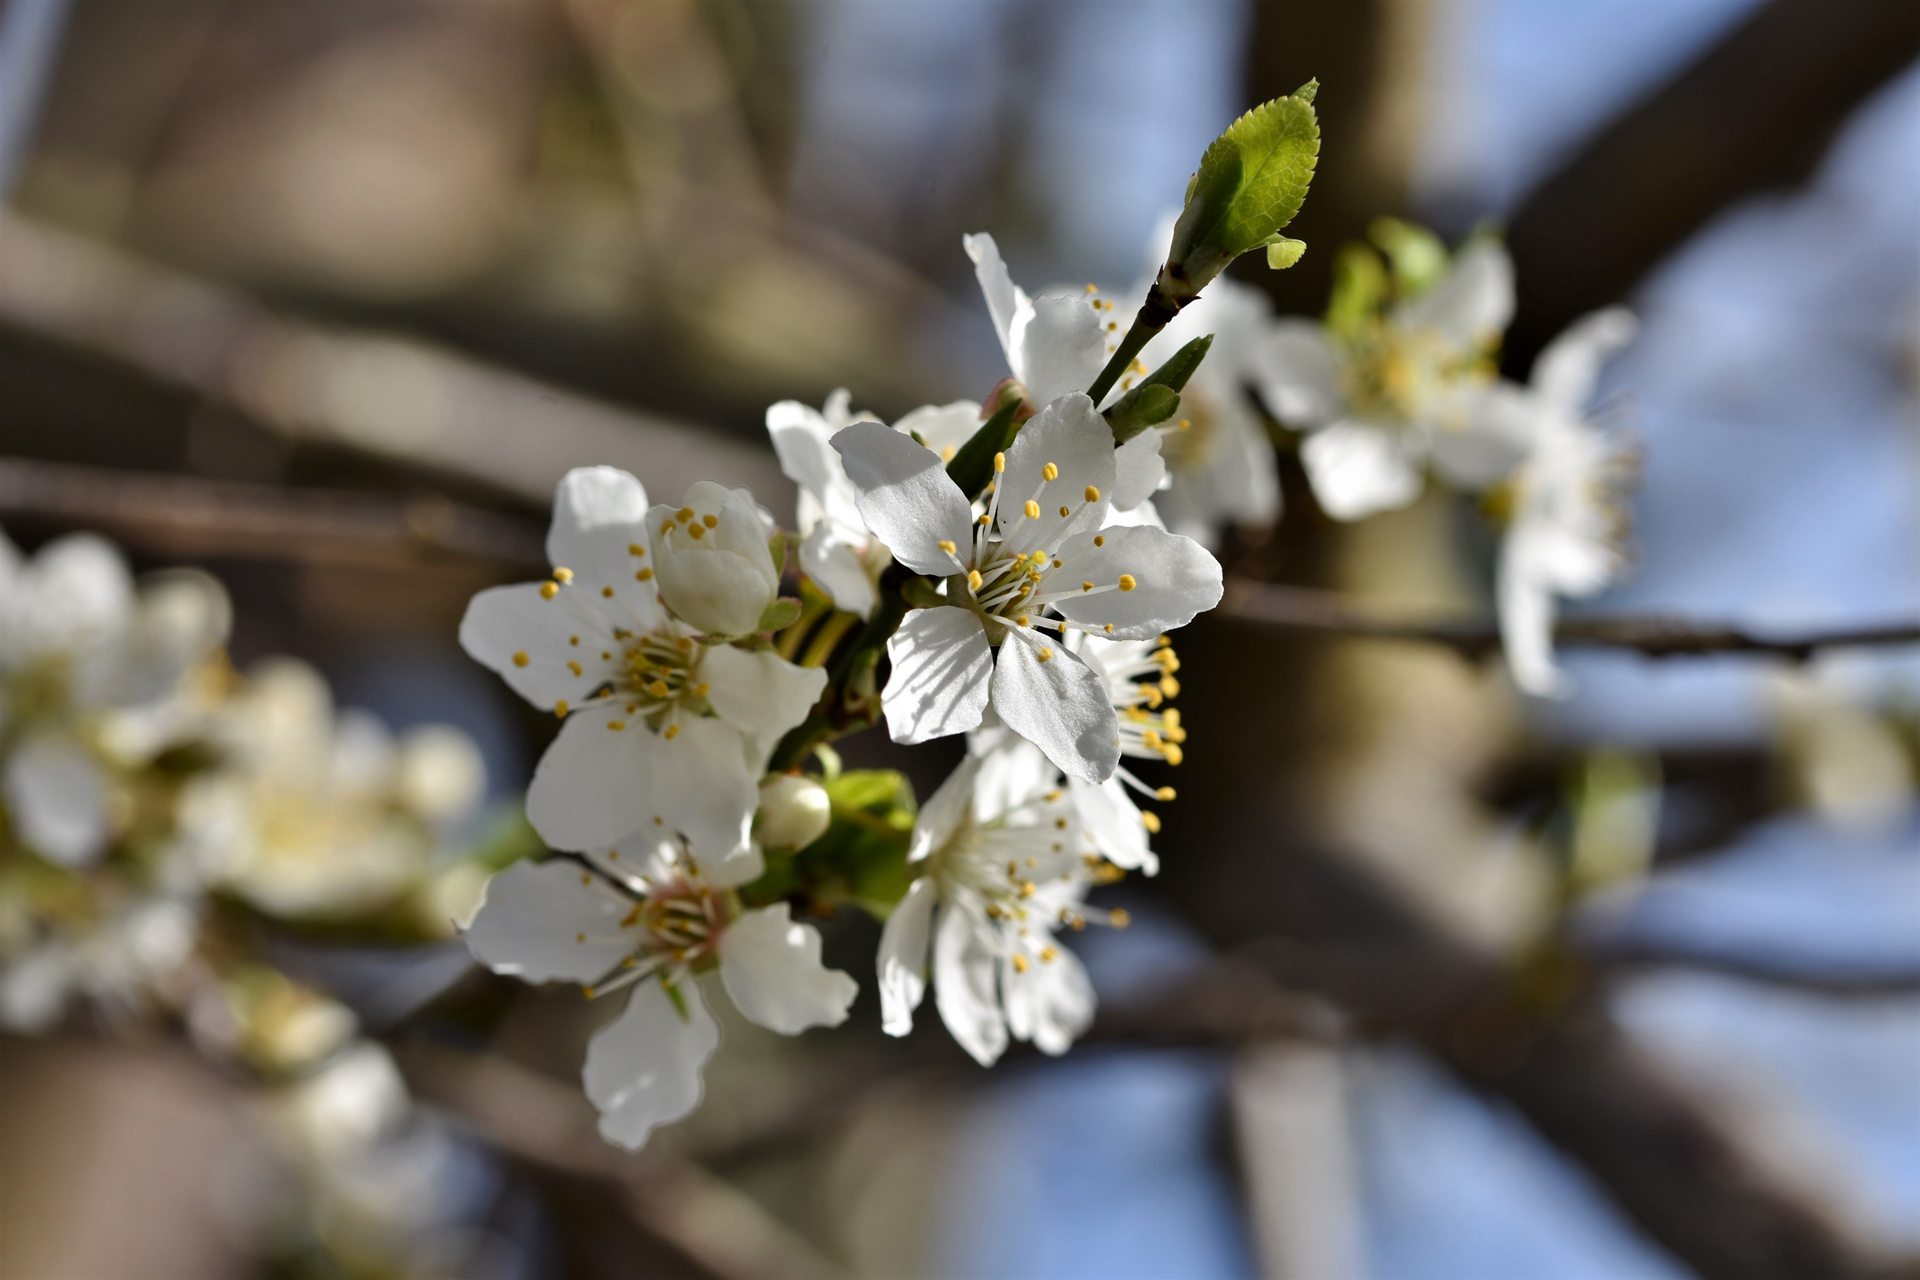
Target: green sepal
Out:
[777,551]
[972,466]
[679,999]
[779,615]
[1146,405]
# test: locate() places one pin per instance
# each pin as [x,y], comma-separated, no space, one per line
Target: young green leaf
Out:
[1250,184]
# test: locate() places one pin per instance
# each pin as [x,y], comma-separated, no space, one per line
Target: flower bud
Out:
[710,554]
[794,811]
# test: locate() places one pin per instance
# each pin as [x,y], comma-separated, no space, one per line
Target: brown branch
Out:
[190,518]
[1820,978]
[1302,609]
[1753,112]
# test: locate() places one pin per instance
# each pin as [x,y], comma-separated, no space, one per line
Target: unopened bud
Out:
[794,811]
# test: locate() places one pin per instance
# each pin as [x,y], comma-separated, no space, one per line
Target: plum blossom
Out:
[1568,518]
[1041,559]
[837,550]
[650,917]
[78,646]
[117,952]
[1056,345]
[1380,403]
[313,814]
[663,726]
[1003,863]
[715,569]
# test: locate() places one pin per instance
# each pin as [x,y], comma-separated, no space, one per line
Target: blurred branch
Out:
[426,408]
[1764,103]
[1763,968]
[192,518]
[720,1230]
[1304,609]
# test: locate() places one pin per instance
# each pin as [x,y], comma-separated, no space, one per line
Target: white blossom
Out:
[116,952]
[78,645]
[1379,405]
[795,810]
[1041,559]
[651,918]
[662,727]
[1566,505]
[716,570]
[1002,863]
[837,550]
[1056,345]
[309,813]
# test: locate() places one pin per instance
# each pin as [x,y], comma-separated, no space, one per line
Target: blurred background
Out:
[1436,981]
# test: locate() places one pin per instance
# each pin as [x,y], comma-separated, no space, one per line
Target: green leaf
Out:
[779,615]
[972,466]
[1283,253]
[1250,184]
[1181,365]
[1146,405]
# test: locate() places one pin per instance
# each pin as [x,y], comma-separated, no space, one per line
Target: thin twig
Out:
[1303,609]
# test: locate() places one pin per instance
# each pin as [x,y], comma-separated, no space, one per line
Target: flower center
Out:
[674,929]
[1393,374]
[1149,728]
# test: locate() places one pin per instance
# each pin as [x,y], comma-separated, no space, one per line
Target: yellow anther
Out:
[999,463]
[1050,473]
[1109,628]
[1099,539]
[643,575]
[1172,717]
[1023,620]
[948,545]
[574,641]
[974,580]
[983,520]
[1086,586]
[1028,888]
[574,666]
[1174,754]
[1059,824]
[702,689]
[606,593]
[1093,288]
[672,732]
[548,590]
[1093,493]
[666,526]
[560,708]
[712,522]
[1019,963]
[1045,654]
[1170,686]
[1164,793]
[579,937]
[1151,821]
[696,532]
[520,659]
[1127,582]
[1048,955]
[1119,918]
[563,576]
[635,549]
[1112,326]
[658,689]
[616,725]
[1033,509]
[946,452]
[1185,424]
[587,992]
[683,515]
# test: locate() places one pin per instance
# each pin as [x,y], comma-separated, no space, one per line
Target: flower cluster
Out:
[152,794]
[1401,379]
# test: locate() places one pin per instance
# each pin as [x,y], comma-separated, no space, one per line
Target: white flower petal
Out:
[34,988]
[1138,470]
[1070,436]
[1059,704]
[504,624]
[1526,632]
[1051,1004]
[801,438]
[903,956]
[1472,304]
[599,514]
[703,786]
[1298,374]
[944,811]
[771,968]
[643,1068]
[943,428]
[964,964]
[595,785]
[759,692]
[58,801]
[1005,301]
[1058,347]
[1359,469]
[837,567]
[1109,815]
[1567,372]
[941,663]
[905,496]
[1174,579]
[552,921]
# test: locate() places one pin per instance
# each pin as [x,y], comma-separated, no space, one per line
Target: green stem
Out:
[830,718]
[1155,313]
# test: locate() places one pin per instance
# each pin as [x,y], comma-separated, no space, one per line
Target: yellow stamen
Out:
[520,659]
[1093,493]
[1050,472]
[999,463]
[548,590]
[1033,509]
[1127,582]
[563,576]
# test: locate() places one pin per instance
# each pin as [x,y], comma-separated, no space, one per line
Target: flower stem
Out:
[831,718]
[1155,314]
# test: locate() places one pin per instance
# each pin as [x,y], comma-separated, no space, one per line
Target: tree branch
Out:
[1815,977]
[1302,609]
